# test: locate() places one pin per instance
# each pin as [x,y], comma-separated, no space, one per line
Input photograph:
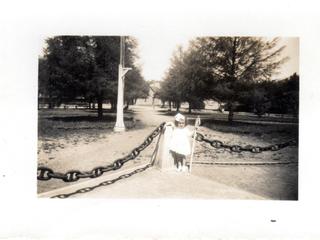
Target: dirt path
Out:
[149,116]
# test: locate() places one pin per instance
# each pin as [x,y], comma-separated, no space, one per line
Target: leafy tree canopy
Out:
[87,67]
[221,68]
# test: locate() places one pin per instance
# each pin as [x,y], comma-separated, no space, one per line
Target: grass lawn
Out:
[57,123]
[75,125]
[269,127]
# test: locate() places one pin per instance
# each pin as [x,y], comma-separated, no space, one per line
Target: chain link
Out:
[237,148]
[45,173]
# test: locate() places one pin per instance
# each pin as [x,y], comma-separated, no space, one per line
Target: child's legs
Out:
[178,159]
[175,159]
[184,161]
[181,161]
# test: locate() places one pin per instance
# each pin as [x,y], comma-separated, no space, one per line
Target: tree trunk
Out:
[127,105]
[162,103]
[178,106]
[230,116]
[233,78]
[113,105]
[189,111]
[50,105]
[170,106]
[100,111]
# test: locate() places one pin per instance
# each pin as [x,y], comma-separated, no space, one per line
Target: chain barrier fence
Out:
[109,182]
[46,173]
[104,183]
[237,148]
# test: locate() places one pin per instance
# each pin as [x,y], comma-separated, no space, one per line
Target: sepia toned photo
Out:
[135,117]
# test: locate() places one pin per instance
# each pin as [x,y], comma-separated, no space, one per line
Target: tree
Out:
[174,79]
[43,83]
[284,95]
[164,93]
[184,81]
[135,87]
[69,66]
[87,67]
[280,96]
[235,62]
[103,83]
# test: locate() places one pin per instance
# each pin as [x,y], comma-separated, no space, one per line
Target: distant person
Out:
[180,144]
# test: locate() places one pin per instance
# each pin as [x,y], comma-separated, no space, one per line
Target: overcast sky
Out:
[155,53]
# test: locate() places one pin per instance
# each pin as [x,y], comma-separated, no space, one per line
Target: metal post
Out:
[120,127]
[196,125]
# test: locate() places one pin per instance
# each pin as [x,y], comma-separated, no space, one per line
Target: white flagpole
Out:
[196,125]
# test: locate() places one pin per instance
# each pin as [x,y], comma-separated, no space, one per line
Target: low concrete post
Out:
[164,160]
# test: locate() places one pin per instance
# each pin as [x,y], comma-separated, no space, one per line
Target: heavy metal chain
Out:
[45,173]
[109,182]
[105,183]
[217,144]
[237,148]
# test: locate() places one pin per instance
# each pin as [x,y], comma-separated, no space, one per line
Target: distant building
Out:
[212,105]
[152,99]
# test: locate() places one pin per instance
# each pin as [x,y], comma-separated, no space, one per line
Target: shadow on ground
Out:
[105,118]
[237,116]
[276,182]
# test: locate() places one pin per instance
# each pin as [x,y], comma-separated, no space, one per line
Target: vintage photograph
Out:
[136,117]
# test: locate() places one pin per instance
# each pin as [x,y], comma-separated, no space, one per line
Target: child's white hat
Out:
[179,117]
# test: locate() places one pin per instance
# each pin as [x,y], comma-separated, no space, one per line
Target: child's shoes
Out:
[184,169]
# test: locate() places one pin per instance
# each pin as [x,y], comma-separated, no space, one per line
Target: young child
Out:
[180,145]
